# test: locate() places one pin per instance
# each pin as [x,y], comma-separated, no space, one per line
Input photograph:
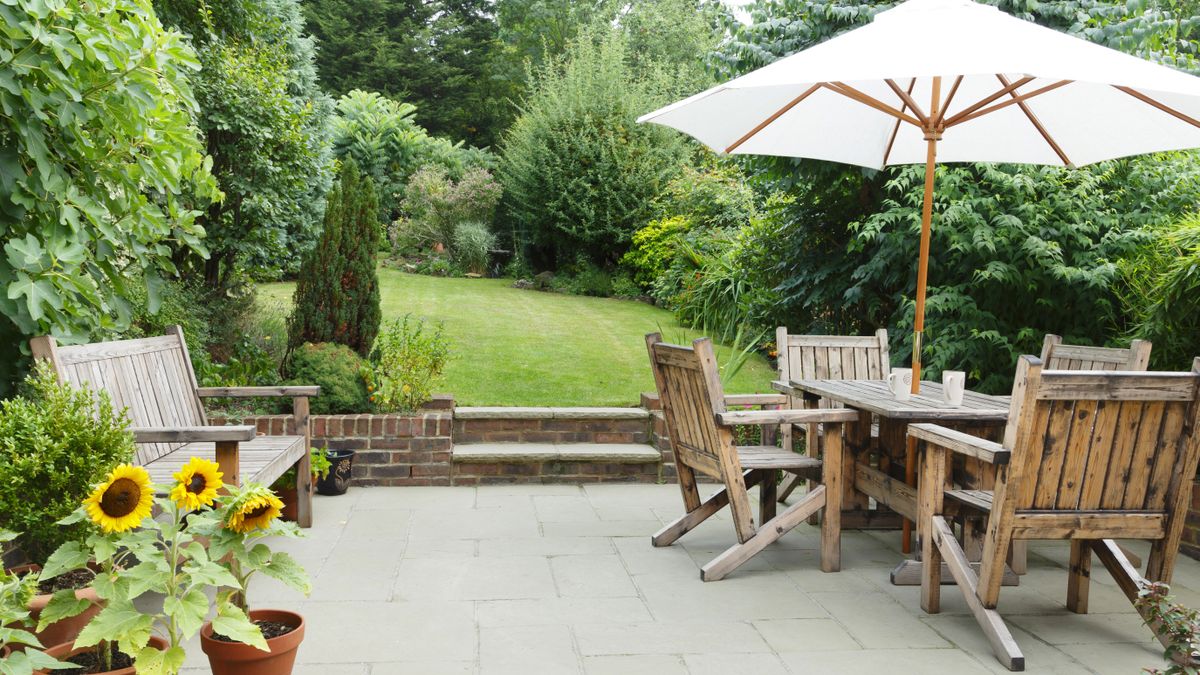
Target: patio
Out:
[562,578]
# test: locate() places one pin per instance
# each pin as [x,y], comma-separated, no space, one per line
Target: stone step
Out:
[529,453]
[548,413]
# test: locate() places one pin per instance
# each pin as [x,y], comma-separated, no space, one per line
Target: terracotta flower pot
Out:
[67,629]
[64,651]
[236,658]
[290,507]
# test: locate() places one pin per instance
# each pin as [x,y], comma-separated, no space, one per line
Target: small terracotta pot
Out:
[67,629]
[236,658]
[290,509]
[64,651]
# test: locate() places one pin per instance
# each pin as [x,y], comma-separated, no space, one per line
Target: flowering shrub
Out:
[406,363]
[435,205]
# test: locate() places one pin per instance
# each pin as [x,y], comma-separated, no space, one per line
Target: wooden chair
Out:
[1087,456]
[826,357]
[1058,356]
[702,440]
[152,379]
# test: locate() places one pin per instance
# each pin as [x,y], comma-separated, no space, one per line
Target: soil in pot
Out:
[67,629]
[337,481]
[235,658]
[88,660]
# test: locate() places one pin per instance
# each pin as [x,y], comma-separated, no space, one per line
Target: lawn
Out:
[528,348]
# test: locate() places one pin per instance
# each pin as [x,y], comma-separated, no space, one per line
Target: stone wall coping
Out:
[626,453]
[548,413]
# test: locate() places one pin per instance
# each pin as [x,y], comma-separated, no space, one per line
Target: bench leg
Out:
[304,485]
[227,461]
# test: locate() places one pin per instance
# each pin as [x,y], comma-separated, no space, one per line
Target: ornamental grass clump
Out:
[182,555]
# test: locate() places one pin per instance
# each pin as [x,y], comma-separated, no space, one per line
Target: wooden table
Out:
[891,480]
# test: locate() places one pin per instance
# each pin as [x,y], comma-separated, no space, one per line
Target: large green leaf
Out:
[120,621]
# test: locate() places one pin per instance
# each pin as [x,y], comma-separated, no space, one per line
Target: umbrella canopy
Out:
[948,80]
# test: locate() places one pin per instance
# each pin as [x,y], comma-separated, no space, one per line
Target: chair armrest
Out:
[193,434]
[964,444]
[808,416]
[252,392]
[756,400]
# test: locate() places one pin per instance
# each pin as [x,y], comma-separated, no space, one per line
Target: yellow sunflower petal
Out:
[255,512]
[123,501]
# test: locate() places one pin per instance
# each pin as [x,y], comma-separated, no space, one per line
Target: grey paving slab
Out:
[563,579]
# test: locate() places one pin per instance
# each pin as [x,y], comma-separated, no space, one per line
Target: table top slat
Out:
[875,396]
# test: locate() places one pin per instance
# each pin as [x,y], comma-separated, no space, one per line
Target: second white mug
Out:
[954,385]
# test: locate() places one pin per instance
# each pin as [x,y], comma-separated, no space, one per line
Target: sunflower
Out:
[123,501]
[256,508]
[198,483]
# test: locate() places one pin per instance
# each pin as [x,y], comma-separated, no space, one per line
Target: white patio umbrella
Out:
[951,80]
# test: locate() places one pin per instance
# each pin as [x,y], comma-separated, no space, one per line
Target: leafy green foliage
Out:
[437,54]
[1180,626]
[406,364]
[99,164]
[15,594]
[655,248]
[579,173]
[435,205]
[1161,292]
[473,245]
[265,122]
[337,369]
[56,442]
[337,294]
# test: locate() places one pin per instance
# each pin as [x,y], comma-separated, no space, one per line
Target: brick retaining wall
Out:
[391,449]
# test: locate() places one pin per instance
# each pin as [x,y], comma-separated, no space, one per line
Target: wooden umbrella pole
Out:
[932,134]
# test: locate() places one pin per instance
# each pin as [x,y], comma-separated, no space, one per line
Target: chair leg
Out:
[688,521]
[1080,576]
[791,481]
[931,570]
[833,480]
[733,557]
[1018,556]
[766,496]
[1128,580]
[997,633]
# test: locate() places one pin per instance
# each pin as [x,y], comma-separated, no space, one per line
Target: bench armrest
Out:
[756,399]
[808,416]
[235,433]
[251,392]
[964,444]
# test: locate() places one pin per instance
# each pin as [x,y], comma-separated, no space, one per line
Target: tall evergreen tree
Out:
[337,294]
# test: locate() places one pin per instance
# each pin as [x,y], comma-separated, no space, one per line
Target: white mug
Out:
[954,384]
[900,382]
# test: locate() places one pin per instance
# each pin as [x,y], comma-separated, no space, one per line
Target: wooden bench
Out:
[1088,456]
[152,379]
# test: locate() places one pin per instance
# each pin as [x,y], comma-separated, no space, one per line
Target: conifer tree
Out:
[337,293]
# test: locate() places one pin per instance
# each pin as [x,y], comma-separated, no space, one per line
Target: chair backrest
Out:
[689,387]
[1058,356]
[1102,440]
[832,357]
[151,378]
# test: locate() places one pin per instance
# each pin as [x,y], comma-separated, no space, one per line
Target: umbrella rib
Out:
[1037,123]
[896,129]
[987,99]
[1158,104]
[960,118]
[908,101]
[869,101]
[767,122]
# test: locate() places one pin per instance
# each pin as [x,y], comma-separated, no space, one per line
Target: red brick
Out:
[376,426]
[430,470]
[615,437]
[391,471]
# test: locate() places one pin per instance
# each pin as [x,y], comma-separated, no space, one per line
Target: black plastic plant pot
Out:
[337,481]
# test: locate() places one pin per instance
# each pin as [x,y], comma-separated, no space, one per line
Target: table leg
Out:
[910,477]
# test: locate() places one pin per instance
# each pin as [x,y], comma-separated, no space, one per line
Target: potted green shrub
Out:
[56,442]
[285,486]
[236,531]
[134,555]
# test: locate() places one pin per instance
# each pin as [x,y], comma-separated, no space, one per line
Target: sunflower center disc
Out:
[197,484]
[258,512]
[121,498]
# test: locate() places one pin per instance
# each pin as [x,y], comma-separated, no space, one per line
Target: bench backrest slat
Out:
[1059,356]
